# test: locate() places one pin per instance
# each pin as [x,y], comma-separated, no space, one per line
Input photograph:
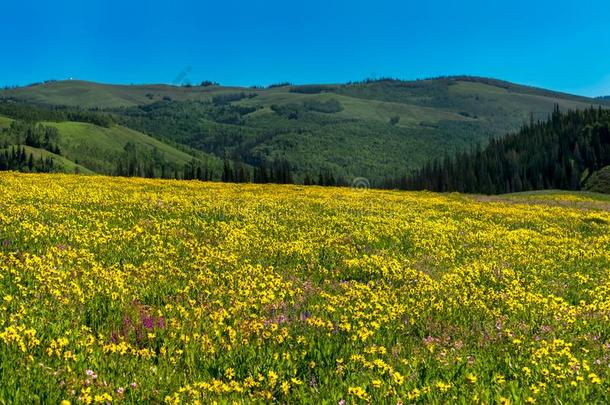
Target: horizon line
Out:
[214,83]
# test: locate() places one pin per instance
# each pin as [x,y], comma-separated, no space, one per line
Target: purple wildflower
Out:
[148,321]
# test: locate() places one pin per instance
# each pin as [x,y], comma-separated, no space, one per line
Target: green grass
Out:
[558,193]
[582,200]
[5,122]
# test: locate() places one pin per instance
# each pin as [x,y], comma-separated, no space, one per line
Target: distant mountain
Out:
[603,98]
[375,129]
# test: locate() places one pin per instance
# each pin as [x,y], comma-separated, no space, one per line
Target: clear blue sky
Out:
[562,45]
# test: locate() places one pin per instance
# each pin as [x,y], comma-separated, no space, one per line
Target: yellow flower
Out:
[443,387]
[594,379]
[359,392]
[499,379]
[215,274]
[272,378]
[398,378]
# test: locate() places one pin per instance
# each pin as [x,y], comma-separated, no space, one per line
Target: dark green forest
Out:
[559,153]
[36,113]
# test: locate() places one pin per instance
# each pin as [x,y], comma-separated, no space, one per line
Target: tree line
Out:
[134,163]
[31,134]
[18,159]
[13,142]
[38,113]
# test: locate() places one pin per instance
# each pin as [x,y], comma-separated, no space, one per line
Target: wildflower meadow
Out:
[117,290]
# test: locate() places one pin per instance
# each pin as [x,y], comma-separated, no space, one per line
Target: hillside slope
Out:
[89,148]
[375,129]
[5,122]
[85,94]
[97,147]
[62,163]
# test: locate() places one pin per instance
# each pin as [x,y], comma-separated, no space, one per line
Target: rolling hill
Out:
[95,147]
[96,95]
[375,129]
[88,148]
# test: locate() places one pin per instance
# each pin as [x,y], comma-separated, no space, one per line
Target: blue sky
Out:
[562,45]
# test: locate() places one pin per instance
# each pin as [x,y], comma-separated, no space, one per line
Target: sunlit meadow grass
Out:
[128,291]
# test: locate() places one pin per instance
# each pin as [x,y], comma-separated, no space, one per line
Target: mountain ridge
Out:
[211,88]
[373,128]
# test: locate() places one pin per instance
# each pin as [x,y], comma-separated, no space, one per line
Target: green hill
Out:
[95,95]
[89,148]
[375,129]
[97,147]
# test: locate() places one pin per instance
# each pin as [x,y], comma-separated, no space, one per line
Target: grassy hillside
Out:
[5,122]
[62,164]
[97,147]
[90,148]
[90,95]
[373,129]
